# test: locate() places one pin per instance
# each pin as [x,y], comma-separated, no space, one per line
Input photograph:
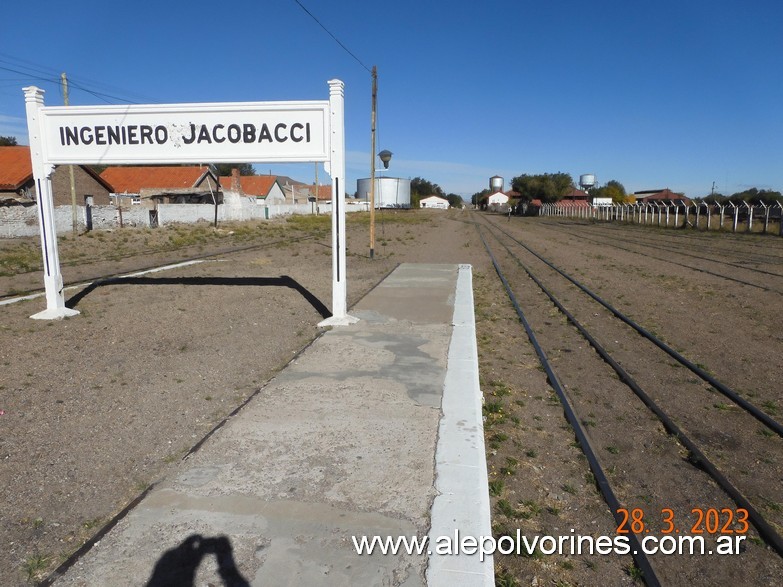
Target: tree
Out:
[547,187]
[476,198]
[455,201]
[421,188]
[755,195]
[714,198]
[224,169]
[612,189]
[7,141]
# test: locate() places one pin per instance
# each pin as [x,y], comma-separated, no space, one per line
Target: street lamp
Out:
[372,158]
[385,157]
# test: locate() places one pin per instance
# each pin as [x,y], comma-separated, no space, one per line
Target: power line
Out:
[28,75]
[56,81]
[28,65]
[100,95]
[347,50]
[41,73]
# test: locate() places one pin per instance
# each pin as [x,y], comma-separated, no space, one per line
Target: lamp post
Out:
[372,159]
[385,156]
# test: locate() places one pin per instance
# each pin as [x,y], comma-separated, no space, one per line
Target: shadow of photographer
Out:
[177,567]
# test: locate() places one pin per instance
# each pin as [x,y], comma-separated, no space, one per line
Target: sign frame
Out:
[230,132]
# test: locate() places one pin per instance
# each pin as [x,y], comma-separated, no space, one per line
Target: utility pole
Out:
[74,211]
[372,159]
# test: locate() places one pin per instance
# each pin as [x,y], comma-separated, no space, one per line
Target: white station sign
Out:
[284,132]
[230,132]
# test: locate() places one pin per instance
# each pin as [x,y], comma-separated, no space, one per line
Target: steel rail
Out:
[761,416]
[653,246]
[215,253]
[700,239]
[640,559]
[696,457]
[707,271]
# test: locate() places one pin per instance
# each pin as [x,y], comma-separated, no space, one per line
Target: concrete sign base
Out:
[54,314]
[338,321]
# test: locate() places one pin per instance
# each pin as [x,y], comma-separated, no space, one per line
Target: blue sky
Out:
[676,94]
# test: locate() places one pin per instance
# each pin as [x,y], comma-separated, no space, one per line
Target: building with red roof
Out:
[262,187]
[17,185]
[661,197]
[167,184]
[576,195]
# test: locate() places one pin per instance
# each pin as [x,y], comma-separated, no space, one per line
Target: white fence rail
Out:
[743,217]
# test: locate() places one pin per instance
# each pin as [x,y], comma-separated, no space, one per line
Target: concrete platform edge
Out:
[461,508]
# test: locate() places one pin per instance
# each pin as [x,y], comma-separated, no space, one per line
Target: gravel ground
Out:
[97,407]
[539,479]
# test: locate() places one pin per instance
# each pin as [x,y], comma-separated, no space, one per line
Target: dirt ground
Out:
[539,479]
[97,407]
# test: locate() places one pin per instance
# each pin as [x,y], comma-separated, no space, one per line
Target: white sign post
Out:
[239,132]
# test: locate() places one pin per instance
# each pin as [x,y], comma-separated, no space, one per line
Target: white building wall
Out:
[497,198]
[275,195]
[18,221]
[434,202]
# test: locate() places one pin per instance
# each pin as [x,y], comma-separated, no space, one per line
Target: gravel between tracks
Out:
[541,487]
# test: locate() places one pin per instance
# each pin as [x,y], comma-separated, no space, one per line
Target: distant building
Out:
[17,185]
[296,192]
[151,185]
[498,199]
[389,192]
[576,195]
[434,202]
[323,193]
[661,197]
[264,188]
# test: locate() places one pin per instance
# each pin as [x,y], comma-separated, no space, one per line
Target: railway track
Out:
[646,419]
[744,248]
[645,246]
[146,266]
[699,239]
[738,256]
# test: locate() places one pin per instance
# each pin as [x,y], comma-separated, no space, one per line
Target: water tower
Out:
[496,184]
[587,181]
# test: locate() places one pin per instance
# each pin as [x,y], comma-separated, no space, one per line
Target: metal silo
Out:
[586,181]
[390,192]
[496,184]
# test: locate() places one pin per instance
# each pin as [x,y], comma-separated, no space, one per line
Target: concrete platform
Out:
[375,430]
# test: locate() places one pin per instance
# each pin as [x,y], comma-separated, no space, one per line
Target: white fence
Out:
[19,221]
[743,217]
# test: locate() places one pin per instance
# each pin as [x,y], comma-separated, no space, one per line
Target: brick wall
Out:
[86,185]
